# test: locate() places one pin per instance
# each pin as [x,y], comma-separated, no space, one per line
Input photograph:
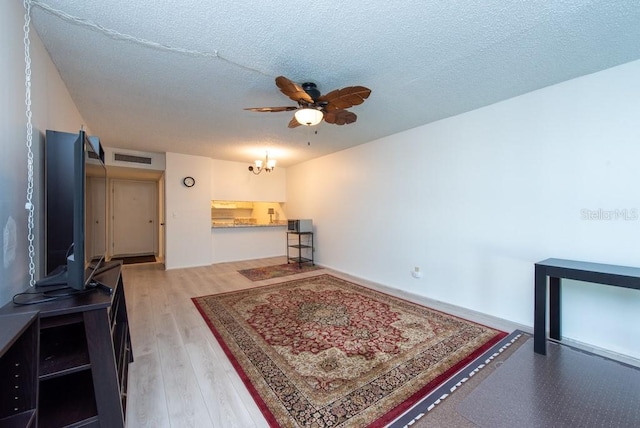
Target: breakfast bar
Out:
[245,242]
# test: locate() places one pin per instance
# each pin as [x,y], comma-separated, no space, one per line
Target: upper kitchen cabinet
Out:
[233,181]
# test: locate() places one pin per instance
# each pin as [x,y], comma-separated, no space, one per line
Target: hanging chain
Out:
[27,100]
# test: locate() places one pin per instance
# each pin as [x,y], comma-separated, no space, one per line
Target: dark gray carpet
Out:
[565,388]
[436,409]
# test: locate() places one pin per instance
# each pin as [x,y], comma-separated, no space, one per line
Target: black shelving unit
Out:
[300,247]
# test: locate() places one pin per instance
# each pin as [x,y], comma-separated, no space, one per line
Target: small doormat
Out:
[268,272]
[136,259]
[325,352]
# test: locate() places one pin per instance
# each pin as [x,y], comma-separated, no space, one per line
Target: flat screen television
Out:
[75,209]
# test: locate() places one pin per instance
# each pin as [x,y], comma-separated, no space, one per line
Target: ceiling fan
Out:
[313,107]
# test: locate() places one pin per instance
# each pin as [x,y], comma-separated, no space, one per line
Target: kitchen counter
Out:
[236,226]
[233,242]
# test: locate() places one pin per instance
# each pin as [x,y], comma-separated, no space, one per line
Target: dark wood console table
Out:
[557,269]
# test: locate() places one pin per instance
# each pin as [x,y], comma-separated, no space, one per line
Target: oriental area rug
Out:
[268,272]
[325,352]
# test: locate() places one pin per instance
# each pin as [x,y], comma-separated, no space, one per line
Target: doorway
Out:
[96,217]
[134,218]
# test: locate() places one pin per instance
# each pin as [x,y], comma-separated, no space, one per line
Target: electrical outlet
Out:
[416,273]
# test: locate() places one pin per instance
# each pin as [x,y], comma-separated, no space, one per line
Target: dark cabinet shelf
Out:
[81,350]
[300,247]
[56,394]
[18,369]
[63,350]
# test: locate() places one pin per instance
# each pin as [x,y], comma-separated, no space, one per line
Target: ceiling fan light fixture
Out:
[308,116]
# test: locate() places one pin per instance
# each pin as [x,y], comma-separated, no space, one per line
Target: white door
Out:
[96,217]
[135,210]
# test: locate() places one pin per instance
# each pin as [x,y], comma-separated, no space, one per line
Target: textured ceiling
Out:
[175,75]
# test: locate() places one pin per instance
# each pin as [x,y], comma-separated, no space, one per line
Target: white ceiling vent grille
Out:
[121,157]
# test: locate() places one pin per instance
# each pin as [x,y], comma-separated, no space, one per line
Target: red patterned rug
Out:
[268,272]
[325,352]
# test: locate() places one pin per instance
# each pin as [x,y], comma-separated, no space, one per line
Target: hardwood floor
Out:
[180,376]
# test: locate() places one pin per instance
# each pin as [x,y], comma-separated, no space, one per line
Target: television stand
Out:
[84,349]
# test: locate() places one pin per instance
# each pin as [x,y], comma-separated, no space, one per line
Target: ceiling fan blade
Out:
[292,90]
[340,117]
[293,122]
[272,109]
[345,97]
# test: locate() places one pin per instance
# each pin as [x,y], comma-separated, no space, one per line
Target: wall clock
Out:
[189,181]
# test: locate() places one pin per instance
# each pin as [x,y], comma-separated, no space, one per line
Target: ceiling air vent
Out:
[121,157]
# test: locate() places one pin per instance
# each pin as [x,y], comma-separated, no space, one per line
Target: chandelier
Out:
[308,116]
[266,165]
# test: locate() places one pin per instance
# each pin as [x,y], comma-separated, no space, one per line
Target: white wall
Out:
[190,240]
[52,108]
[188,211]
[233,181]
[477,199]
